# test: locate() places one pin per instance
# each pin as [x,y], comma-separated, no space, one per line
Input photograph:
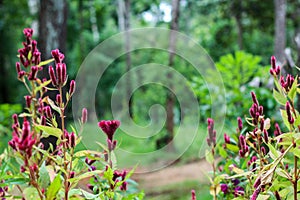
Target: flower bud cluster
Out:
[211,140]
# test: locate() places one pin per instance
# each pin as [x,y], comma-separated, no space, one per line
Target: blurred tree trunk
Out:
[238,9]
[170,95]
[123,12]
[52,35]
[280,29]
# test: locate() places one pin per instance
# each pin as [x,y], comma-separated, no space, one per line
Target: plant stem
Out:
[296,176]
[66,175]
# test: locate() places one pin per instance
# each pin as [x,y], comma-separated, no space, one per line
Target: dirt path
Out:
[174,174]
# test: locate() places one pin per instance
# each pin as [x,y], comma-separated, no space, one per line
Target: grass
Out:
[180,191]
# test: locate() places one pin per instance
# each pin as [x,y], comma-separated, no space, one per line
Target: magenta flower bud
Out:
[224,188]
[288,112]
[272,72]
[263,150]
[52,76]
[59,74]
[36,57]
[240,123]
[257,183]
[262,123]
[72,174]
[58,98]
[242,141]
[273,62]
[123,187]
[12,144]
[21,75]
[22,169]
[226,138]
[28,32]
[89,186]
[277,130]
[18,67]
[277,70]
[72,140]
[32,74]
[43,120]
[266,136]
[109,127]
[92,168]
[254,99]
[255,194]
[72,87]
[15,119]
[48,111]
[193,195]
[84,116]
[58,57]
[261,110]
[253,159]
[64,73]
[28,101]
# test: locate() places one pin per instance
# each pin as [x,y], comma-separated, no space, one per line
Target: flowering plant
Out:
[30,170]
[260,162]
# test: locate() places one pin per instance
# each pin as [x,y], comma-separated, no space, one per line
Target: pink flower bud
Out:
[263,150]
[254,99]
[273,62]
[28,101]
[58,98]
[59,74]
[289,113]
[72,140]
[240,123]
[18,67]
[266,136]
[226,138]
[193,195]
[72,87]
[84,116]
[52,76]
[109,127]
[48,111]
[33,73]
[257,183]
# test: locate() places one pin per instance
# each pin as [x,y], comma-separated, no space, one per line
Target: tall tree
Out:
[123,12]
[280,29]
[52,35]
[170,101]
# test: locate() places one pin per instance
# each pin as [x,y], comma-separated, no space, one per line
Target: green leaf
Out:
[31,193]
[282,173]
[273,152]
[293,91]
[108,175]
[47,130]
[54,188]
[285,118]
[88,195]
[296,152]
[52,104]
[44,178]
[85,153]
[85,175]
[45,62]
[232,147]
[41,86]
[222,152]
[280,98]
[208,156]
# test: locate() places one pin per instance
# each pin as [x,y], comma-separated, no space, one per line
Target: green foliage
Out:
[6,111]
[256,162]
